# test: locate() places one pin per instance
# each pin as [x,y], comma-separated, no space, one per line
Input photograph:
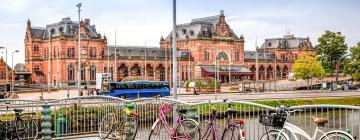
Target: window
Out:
[92,52]
[93,72]
[206,55]
[61,29]
[183,73]
[191,32]
[36,48]
[45,53]
[183,31]
[138,85]
[222,56]
[130,85]
[269,44]
[237,56]
[82,70]
[70,73]
[36,68]
[162,75]
[71,52]
[147,85]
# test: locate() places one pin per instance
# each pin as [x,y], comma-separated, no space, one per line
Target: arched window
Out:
[206,55]
[93,72]
[70,71]
[222,56]
[82,71]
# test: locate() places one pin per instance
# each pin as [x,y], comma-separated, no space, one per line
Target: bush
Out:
[187,83]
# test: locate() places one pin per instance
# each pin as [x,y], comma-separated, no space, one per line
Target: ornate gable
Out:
[222,29]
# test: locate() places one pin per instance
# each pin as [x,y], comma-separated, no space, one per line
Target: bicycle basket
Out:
[166,108]
[276,121]
[266,120]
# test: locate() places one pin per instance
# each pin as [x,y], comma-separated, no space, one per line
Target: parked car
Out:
[348,87]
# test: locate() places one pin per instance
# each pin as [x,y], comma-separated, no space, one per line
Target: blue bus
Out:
[136,89]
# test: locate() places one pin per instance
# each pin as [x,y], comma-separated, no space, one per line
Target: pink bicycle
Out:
[184,128]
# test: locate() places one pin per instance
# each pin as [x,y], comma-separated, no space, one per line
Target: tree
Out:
[352,68]
[307,67]
[331,48]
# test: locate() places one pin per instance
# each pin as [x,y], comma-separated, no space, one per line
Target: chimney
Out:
[87,21]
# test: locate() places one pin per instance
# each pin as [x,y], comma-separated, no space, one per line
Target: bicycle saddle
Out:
[320,121]
[230,111]
[182,111]
[18,110]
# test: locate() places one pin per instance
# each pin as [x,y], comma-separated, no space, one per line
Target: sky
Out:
[140,21]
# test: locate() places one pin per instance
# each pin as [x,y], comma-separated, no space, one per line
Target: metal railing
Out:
[82,115]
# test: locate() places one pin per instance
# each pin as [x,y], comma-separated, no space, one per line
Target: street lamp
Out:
[6,68]
[230,66]
[215,60]
[12,74]
[79,63]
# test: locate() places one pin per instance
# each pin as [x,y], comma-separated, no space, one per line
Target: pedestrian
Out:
[85,91]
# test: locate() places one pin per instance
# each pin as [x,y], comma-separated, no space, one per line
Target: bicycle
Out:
[23,128]
[233,129]
[278,121]
[124,128]
[184,128]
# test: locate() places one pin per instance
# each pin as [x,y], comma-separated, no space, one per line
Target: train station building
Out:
[206,47]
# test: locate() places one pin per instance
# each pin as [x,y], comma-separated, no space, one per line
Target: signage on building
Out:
[227,69]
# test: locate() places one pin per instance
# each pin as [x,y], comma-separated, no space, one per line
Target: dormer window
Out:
[191,32]
[183,31]
[52,31]
[61,29]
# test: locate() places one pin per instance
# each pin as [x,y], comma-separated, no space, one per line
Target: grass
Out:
[354,101]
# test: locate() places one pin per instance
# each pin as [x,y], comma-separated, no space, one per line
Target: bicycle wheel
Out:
[188,129]
[106,125]
[126,130]
[337,135]
[205,131]
[26,128]
[231,133]
[155,133]
[273,134]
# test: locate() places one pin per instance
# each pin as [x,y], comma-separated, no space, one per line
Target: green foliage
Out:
[187,83]
[332,47]
[352,67]
[307,67]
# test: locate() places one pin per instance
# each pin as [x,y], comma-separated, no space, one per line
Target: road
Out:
[62,94]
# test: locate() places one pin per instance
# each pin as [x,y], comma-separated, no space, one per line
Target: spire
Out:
[222,17]
[28,23]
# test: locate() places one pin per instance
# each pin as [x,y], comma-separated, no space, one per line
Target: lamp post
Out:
[12,73]
[174,54]
[49,67]
[230,65]
[215,60]
[145,61]
[6,68]
[79,63]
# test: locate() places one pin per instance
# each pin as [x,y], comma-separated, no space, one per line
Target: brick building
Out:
[206,46]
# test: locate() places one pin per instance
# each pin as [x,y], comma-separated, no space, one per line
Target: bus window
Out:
[112,87]
[130,85]
[138,85]
[123,86]
[147,85]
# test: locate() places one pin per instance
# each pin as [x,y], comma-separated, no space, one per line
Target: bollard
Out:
[45,122]
[61,126]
